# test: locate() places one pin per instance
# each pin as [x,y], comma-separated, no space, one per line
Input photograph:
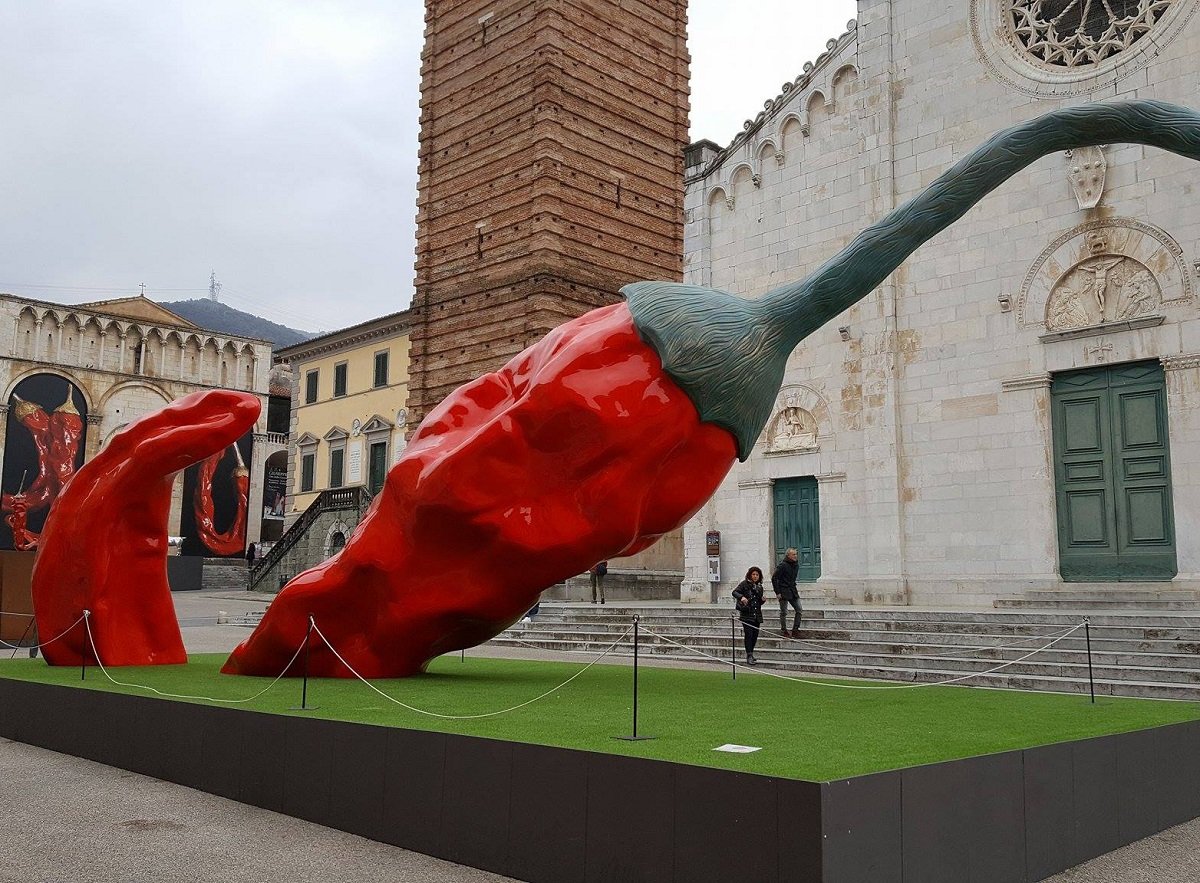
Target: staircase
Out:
[1133,653]
[303,544]
[1120,596]
[224,574]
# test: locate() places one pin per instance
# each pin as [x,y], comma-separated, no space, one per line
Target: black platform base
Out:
[551,814]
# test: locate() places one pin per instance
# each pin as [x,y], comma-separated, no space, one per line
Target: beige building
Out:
[349,394]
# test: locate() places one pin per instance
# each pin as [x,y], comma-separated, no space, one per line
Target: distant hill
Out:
[216,316]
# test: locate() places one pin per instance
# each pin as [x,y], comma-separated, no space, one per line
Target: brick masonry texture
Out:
[550,172]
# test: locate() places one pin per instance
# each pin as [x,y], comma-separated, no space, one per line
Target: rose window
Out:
[1076,33]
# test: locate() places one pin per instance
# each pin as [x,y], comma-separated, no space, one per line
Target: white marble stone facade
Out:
[932,441]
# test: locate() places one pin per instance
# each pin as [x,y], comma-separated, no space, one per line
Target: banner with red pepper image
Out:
[610,431]
[216,500]
[43,448]
[104,547]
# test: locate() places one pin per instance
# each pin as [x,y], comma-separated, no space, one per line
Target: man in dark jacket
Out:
[783,581]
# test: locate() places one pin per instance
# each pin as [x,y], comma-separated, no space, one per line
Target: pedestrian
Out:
[251,554]
[783,581]
[749,594]
[597,572]
[533,611]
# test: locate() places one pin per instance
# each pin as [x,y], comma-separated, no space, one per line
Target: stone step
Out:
[1072,665]
[1040,680]
[1067,650]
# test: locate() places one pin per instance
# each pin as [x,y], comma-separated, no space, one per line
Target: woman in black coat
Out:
[749,595]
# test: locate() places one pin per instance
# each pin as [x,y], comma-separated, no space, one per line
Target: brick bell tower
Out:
[550,173]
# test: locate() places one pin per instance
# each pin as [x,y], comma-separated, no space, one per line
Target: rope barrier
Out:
[772,674]
[88,625]
[462,717]
[821,649]
[8,646]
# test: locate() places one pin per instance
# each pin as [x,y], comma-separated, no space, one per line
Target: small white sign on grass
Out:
[737,749]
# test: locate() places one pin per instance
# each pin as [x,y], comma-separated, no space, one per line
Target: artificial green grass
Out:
[815,733]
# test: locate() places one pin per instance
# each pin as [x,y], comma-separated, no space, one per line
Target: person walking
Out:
[749,594]
[251,554]
[783,581]
[597,572]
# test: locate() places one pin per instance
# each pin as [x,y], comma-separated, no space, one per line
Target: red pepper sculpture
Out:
[609,432]
[104,546]
[232,540]
[56,438]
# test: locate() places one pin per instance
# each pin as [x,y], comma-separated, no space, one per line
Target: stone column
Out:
[1183,431]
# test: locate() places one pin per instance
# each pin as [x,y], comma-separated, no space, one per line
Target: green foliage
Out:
[805,732]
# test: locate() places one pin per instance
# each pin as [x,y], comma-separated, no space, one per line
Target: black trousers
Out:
[784,601]
[751,636]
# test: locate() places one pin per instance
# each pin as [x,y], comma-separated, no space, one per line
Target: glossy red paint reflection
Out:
[579,449]
[104,546]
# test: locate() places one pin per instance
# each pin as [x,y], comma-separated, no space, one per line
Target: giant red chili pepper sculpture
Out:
[609,432]
[232,540]
[104,546]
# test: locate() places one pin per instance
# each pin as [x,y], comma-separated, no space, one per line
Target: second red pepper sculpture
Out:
[609,432]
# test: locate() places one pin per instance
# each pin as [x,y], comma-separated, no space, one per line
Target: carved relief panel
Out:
[1102,272]
[799,419]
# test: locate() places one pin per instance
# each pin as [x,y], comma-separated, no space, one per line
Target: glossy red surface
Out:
[579,449]
[104,546]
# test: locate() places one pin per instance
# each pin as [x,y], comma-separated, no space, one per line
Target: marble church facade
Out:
[1017,407]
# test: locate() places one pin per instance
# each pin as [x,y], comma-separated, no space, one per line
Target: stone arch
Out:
[134,355]
[171,354]
[769,148]
[126,402]
[816,109]
[229,365]
[26,333]
[844,82]
[338,529]
[249,363]
[65,375]
[111,343]
[91,334]
[152,354]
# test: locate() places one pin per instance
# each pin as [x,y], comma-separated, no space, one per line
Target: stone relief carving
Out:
[1086,172]
[1107,288]
[1110,270]
[796,423]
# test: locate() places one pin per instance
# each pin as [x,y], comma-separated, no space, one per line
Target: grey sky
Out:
[274,142]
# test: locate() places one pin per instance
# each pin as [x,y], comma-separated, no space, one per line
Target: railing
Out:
[338,499]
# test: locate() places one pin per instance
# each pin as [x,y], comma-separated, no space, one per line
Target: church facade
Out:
[1017,407]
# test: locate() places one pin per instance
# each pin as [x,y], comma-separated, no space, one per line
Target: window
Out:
[339,379]
[381,368]
[310,387]
[1066,33]
[308,468]
[378,467]
[337,460]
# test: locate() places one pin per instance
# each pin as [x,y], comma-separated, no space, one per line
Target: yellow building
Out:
[349,391]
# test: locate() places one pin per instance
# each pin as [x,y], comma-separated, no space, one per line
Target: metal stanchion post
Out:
[1087,633]
[83,650]
[635,737]
[733,645]
[304,706]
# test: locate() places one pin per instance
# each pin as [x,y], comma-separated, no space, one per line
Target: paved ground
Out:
[70,819]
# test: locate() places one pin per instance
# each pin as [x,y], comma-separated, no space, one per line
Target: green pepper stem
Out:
[729,353]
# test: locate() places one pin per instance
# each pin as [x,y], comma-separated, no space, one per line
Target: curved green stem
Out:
[729,353]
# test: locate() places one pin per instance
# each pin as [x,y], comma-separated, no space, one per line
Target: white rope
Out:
[96,653]
[822,649]
[462,717]
[8,646]
[772,674]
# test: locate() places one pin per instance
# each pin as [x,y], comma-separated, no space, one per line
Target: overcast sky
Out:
[272,142]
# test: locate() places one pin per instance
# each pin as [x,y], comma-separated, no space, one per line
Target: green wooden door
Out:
[377,473]
[798,524]
[1112,472]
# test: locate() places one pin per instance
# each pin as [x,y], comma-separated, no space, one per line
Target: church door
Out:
[797,524]
[1112,473]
